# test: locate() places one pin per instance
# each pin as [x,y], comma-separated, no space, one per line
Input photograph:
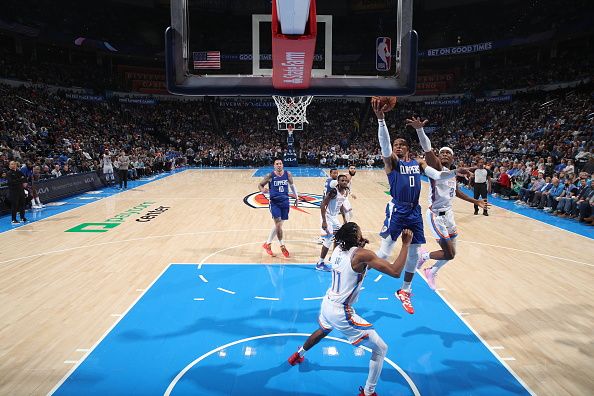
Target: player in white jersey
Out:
[331,207]
[107,167]
[441,218]
[333,178]
[348,208]
[350,262]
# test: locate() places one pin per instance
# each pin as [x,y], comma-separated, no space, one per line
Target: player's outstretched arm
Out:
[369,258]
[434,174]
[430,156]
[483,204]
[262,186]
[383,136]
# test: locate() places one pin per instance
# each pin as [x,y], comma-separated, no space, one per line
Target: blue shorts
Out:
[279,211]
[398,218]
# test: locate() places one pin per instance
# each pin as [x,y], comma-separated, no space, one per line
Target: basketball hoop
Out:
[291,112]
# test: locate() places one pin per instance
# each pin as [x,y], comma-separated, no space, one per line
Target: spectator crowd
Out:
[538,147]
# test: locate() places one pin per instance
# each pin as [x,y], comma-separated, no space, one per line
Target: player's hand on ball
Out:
[407,236]
[416,122]
[377,106]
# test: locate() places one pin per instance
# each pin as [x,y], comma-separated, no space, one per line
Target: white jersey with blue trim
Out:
[335,203]
[346,283]
[442,193]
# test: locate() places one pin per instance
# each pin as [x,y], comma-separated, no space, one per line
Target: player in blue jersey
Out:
[404,211]
[333,176]
[277,184]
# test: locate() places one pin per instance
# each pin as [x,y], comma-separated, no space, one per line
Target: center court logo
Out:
[258,200]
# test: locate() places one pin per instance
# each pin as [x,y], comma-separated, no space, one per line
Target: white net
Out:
[291,111]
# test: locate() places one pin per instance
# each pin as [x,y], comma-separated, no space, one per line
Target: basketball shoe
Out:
[430,276]
[362,392]
[285,251]
[295,359]
[404,298]
[420,261]
[266,247]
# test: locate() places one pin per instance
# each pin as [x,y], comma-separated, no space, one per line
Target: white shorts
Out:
[347,205]
[344,319]
[333,226]
[107,170]
[442,227]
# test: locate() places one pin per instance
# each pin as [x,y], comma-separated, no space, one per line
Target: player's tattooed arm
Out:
[263,186]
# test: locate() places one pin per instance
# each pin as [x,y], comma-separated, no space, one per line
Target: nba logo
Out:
[383,53]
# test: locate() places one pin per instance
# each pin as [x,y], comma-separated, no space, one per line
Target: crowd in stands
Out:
[51,135]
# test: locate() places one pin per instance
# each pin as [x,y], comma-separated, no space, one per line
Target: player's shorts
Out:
[444,226]
[333,226]
[400,217]
[107,170]
[344,319]
[279,211]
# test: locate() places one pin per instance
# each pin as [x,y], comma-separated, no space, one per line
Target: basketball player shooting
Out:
[277,183]
[404,211]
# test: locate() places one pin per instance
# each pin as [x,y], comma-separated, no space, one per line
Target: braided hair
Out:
[346,236]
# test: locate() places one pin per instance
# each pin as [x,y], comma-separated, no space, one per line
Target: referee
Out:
[16,191]
[482,185]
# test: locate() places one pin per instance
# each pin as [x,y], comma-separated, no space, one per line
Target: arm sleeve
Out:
[294,189]
[424,140]
[383,136]
[437,175]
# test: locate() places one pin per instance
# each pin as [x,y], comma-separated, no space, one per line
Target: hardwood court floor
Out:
[524,286]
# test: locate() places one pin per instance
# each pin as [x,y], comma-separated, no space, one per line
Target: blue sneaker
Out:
[321,266]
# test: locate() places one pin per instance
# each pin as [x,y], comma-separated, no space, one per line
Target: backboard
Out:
[224,47]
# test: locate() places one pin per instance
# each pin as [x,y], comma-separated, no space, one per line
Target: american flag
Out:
[207,60]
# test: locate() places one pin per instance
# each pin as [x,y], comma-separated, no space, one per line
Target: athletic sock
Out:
[271,236]
[301,351]
[438,264]
[406,286]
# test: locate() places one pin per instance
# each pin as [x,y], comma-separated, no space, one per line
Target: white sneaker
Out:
[421,260]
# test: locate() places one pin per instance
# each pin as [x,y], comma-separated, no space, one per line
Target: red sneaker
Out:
[362,392]
[266,247]
[285,251]
[404,297]
[295,359]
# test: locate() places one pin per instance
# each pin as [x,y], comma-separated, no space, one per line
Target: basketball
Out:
[389,101]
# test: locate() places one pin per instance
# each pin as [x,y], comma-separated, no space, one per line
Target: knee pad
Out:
[386,247]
